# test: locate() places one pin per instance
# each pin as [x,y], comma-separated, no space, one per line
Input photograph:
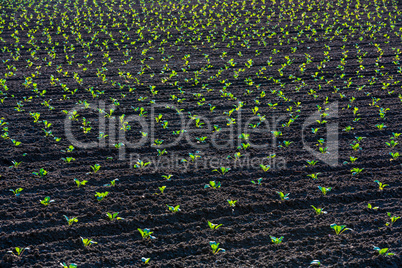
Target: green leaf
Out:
[383,251]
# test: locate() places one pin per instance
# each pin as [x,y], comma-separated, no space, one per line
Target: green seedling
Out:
[258,182]
[395,136]
[232,203]
[46,201]
[277,133]
[16,143]
[356,171]
[162,189]
[174,209]
[339,229]
[312,162]
[215,247]
[319,211]
[369,206]
[15,164]
[79,183]
[145,260]
[383,251]
[213,185]
[392,143]
[381,186]
[323,150]
[101,196]
[395,156]
[167,177]
[118,145]
[17,251]
[194,157]
[146,233]
[95,168]
[87,242]
[69,149]
[287,143]
[314,176]
[161,152]
[71,265]
[68,159]
[315,263]
[324,190]
[17,191]
[283,196]
[112,183]
[70,221]
[113,216]
[265,168]
[41,173]
[213,226]
[222,170]
[276,240]
[352,159]
[393,219]
[141,164]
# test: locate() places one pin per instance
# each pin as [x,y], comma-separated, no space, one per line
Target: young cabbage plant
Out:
[312,162]
[315,263]
[145,260]
[79,183]
[324,190]
[383,251]
[146,234]
[141,164]
[101,196]
[95,168]
[41,173]
[112,183]
[232,203]
[265,168]
[17,191]
[215,247]
[314,176]
[167,177]
[381,186]
[88,242]
[356,171]
[352,160]
[162,189]
[258,182]
[395,156]
[283,196]
[68,159]
[113,216]
[393,219]
[369,206]
[319,211]
[213,185]
[17,251]
[15,164]
[46,201]
[70,221]
[276,240]
[71,265]
[194,157]
[213,226]
[339,229]
[173,209]
[222,170]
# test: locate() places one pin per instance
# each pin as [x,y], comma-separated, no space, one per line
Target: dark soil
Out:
[182,238]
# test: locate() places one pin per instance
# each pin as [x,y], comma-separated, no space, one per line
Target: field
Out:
[269,127]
